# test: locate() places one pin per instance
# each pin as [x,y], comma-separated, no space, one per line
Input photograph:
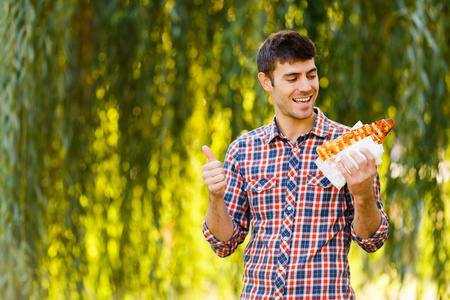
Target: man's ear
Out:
[265,81]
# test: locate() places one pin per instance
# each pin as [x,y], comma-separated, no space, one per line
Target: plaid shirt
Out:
[302,226]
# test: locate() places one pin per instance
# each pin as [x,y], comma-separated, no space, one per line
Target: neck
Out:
[293,128]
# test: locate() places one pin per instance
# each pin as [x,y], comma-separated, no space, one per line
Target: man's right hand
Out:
[213,174]
[217,218]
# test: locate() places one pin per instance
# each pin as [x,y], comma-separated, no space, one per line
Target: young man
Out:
[302,226]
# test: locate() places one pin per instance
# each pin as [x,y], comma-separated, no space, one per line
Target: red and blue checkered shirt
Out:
[301,225]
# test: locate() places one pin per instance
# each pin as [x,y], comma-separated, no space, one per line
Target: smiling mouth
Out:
[302,100]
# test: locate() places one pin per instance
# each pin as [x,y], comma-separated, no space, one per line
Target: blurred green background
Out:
[104,107]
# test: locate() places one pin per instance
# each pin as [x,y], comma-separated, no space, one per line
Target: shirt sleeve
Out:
[377,240]
[236,202]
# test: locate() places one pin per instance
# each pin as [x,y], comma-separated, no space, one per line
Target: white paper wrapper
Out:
[329,167]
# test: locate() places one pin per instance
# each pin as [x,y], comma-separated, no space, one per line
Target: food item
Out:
[378,130]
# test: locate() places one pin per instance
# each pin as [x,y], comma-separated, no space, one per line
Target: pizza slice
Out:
[378,130]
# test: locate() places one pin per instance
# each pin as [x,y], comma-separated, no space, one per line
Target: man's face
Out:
[294,90]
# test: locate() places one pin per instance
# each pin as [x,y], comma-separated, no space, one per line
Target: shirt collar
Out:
[320,128]
[321,125]
[272,131]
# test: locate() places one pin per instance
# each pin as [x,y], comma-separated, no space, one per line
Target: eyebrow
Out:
[296,73]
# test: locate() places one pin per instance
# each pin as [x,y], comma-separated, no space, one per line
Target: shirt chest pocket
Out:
[320,180]
[318,187]
[262,193]
[324,200]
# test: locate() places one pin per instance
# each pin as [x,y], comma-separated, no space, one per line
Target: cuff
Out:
[374,242]
[215,242]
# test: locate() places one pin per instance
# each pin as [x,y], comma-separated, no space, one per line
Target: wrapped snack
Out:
[360,136]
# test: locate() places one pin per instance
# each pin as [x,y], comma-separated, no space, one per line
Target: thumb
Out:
[209,154]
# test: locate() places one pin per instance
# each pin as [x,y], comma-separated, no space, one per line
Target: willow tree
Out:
[106,104]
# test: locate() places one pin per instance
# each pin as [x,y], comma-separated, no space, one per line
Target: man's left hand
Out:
[359,178]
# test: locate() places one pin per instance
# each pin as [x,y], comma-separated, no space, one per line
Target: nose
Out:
[303,84]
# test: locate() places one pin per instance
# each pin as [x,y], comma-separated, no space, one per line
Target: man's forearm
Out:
[367,217]
[218,220]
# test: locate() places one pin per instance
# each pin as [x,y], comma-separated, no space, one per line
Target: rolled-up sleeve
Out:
[221,248]
[236,203]
[377,240]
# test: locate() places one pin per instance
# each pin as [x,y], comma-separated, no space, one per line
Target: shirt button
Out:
[259,189]
[286,238]
[278,298]
[289,208]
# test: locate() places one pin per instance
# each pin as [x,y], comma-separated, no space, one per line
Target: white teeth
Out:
[301,99]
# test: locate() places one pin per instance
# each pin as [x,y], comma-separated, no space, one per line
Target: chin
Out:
[305,114]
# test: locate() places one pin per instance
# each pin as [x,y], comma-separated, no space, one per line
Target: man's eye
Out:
[292,79]
[312,76]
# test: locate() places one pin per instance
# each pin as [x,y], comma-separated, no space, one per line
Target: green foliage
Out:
[104,107]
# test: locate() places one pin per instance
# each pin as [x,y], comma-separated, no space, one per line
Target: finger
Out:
[370,157]
[209,154]
[218,188]
[349,163]
[344,170]
[359,159]
[214,180]
[212,173]
[212,166]
[365,161]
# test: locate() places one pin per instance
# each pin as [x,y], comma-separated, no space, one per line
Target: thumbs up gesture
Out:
[213,174]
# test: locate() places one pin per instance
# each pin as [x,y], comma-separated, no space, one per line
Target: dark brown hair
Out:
[284,46]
